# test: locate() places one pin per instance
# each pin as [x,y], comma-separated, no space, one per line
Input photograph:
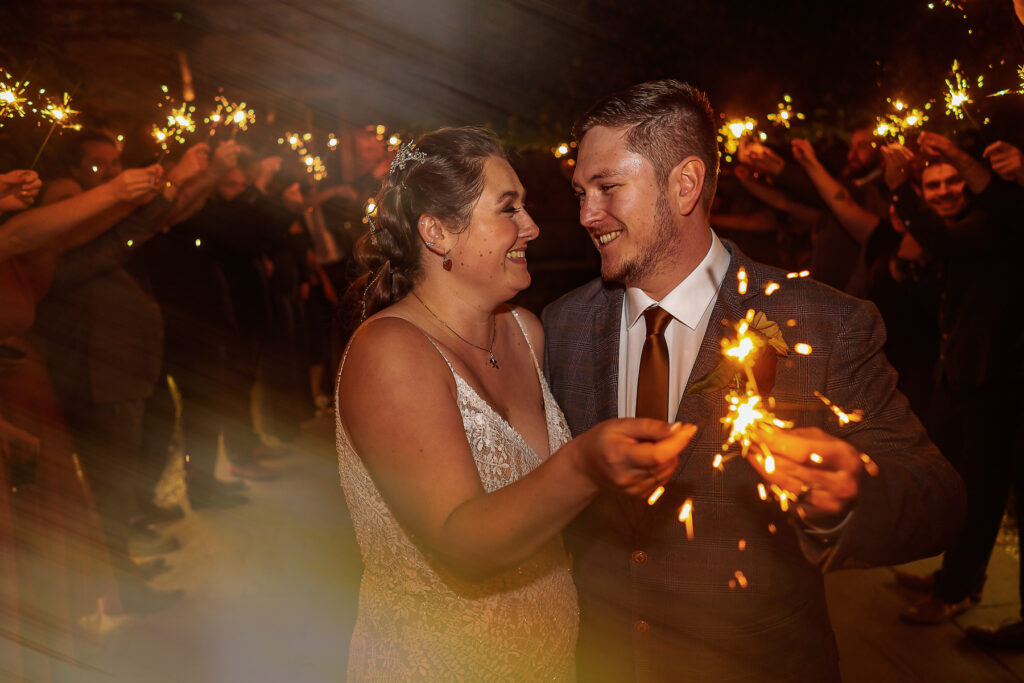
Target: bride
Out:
[456,462]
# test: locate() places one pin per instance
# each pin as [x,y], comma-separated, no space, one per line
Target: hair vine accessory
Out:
[406,153]
[386,266]
[494,331]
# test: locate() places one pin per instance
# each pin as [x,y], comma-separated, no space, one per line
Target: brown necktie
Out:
[652,381]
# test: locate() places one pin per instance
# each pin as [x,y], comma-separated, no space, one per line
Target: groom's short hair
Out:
[668,120]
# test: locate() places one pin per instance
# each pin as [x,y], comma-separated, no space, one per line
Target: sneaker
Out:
[1006,637]
[930,611]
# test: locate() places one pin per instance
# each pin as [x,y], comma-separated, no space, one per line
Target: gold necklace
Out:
[494,332]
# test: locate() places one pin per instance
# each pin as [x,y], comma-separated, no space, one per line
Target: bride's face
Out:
[492,250]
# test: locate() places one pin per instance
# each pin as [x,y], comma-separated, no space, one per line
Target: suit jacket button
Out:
[641,626]
[639,557]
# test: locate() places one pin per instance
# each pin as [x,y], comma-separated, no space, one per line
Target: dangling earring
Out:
[446,262]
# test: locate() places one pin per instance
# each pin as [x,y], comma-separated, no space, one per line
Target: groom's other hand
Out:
[634,455]
[822,471]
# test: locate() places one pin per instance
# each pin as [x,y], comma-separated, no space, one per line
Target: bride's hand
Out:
[633,455]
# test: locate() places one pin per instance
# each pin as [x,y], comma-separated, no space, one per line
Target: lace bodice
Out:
[417,621]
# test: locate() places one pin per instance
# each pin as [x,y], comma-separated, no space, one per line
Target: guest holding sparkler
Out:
[456,462]
[736,592]
[55,577]
[104,341]
[968,221]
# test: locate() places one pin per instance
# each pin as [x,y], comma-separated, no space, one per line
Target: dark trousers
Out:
[108,439]
[980,433]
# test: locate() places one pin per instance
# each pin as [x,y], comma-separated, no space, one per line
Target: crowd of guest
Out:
[190,306]
[178,310]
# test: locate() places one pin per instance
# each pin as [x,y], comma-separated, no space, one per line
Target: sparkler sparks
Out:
[784,114]
[12,98]
[60,113]
[733,130]
[894,126]
[686,517]
[957,96]
[653,498]
[178,122]
[227,113]
[844,417]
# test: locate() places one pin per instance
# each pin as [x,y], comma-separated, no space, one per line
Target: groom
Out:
[743,600]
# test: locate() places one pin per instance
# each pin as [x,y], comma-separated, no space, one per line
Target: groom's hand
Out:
[822,471]
[634,455]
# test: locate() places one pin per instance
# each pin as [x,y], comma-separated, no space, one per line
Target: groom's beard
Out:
[658,244]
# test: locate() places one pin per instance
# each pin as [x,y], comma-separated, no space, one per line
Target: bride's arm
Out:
[397,401]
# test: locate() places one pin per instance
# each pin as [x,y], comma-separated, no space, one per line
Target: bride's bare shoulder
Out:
[392,347]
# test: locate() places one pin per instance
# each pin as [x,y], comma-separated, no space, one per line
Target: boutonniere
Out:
[751,355]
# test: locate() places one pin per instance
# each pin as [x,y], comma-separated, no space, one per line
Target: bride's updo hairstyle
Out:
[441,174]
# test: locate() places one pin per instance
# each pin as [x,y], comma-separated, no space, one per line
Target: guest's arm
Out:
[856,220]
[50,224]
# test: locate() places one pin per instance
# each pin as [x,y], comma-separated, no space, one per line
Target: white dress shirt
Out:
[690,303]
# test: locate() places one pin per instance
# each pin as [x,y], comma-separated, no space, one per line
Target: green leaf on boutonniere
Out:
[720,377]
[765,333]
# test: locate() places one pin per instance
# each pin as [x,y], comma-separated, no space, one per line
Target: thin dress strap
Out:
[536,363]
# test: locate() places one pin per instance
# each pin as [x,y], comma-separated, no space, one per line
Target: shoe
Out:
[1006,637]
[209,500]
[919,583]
[254,471]
[148,542]
[930,611]
[155,514]
[924,583]
[205,483]
[139,598]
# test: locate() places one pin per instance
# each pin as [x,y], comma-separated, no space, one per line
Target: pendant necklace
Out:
[494,332]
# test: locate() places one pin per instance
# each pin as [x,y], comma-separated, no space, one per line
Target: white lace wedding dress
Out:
[417,621]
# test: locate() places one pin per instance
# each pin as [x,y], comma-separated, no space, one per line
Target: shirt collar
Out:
[690,298]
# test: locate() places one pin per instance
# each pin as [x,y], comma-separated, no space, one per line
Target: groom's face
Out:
[622,207]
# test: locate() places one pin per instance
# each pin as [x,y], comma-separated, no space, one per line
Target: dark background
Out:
[524,67]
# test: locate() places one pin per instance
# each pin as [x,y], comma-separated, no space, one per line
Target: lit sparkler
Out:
[12,98]
[957,96]
[1019,90]
[895,125]
[733,130]
[60,113]
[227,113]
[784,114]
[178,122]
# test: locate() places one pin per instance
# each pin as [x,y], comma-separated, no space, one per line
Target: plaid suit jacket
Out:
[656,606]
